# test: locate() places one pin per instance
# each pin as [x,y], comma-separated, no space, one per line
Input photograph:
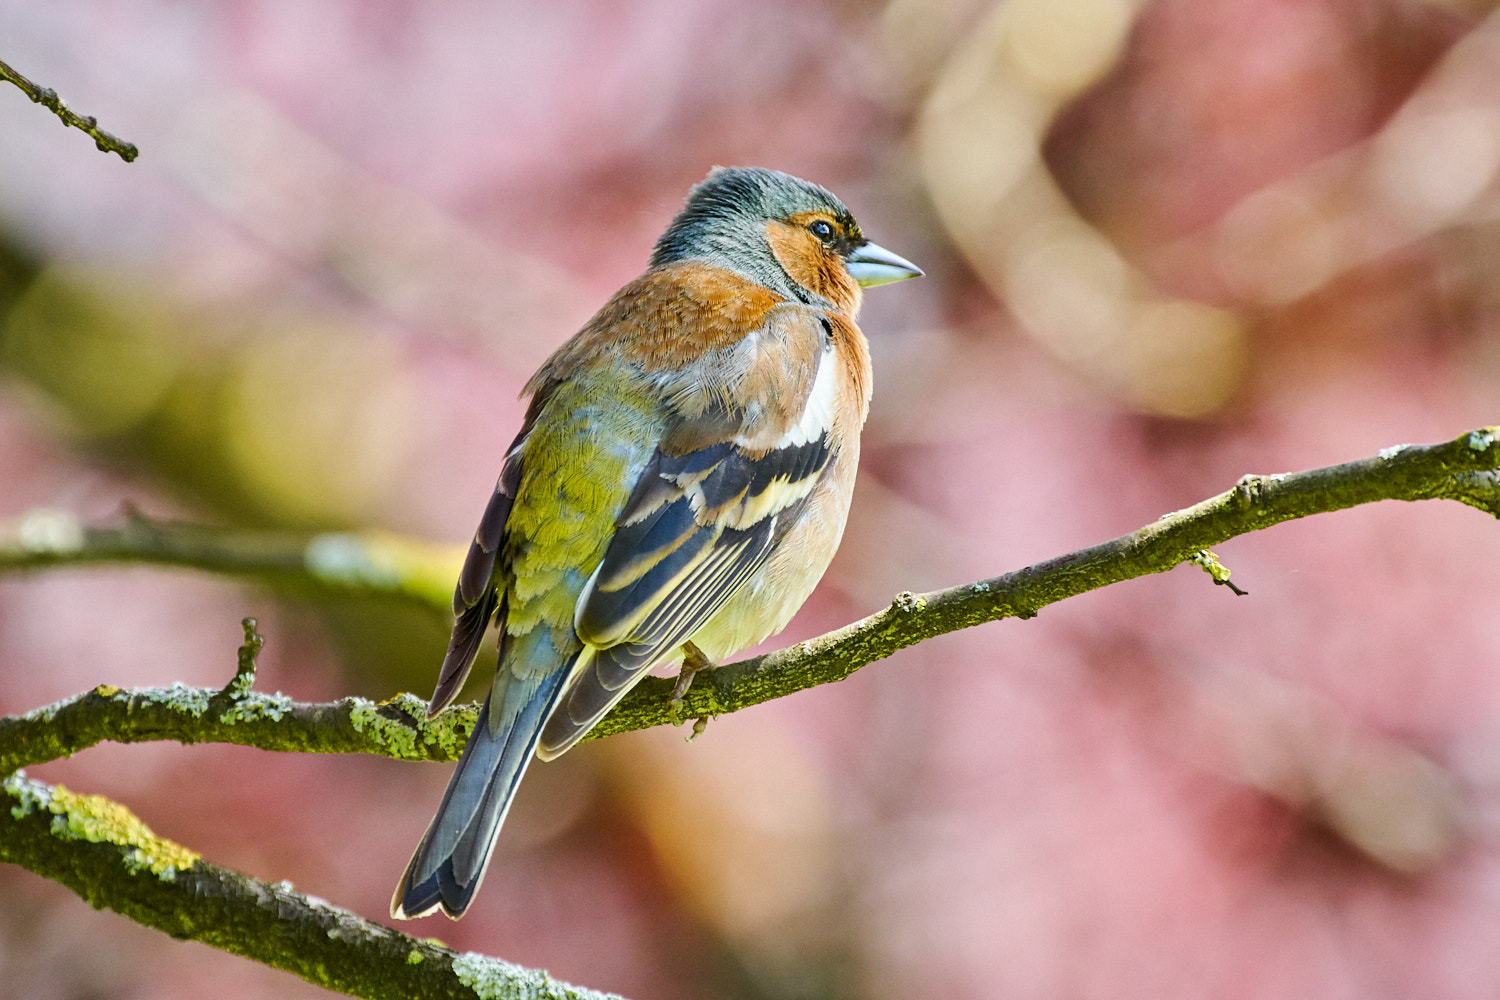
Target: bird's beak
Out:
[873,265]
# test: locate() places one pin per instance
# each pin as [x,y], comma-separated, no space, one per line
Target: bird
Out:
[679,485]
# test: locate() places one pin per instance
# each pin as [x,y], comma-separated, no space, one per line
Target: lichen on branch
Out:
[101,851]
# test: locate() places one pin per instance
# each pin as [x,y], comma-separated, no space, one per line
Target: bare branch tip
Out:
[244,673]
[52,101]
[1217,571]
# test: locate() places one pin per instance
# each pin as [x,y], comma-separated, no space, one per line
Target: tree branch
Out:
[1463,470]
[397,728]
[48,98]
[355,564]
[101,851]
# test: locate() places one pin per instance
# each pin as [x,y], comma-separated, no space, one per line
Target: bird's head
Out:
[791,235]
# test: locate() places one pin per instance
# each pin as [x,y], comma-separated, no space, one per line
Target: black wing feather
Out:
[475,598]
[667,570]
[611,671]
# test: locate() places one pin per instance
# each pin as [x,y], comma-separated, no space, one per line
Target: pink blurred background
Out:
[1167,244]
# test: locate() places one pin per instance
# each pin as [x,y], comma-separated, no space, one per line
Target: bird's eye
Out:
[822,230]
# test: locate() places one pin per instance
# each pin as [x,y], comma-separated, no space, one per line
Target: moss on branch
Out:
[234,714]
[98,849]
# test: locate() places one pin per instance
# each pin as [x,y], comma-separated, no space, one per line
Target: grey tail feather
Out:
[450,862]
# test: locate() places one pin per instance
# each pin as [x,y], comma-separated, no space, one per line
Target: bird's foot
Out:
[693,660]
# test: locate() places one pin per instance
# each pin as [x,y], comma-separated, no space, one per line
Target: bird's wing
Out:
[754,432]
[476,597]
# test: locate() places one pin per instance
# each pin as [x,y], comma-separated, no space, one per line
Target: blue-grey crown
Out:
[727,211]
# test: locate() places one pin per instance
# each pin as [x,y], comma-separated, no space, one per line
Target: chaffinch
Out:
[677,489]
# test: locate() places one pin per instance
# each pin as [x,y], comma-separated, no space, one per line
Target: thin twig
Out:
[48,98]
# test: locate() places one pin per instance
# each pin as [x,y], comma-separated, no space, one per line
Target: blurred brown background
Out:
[1167,243]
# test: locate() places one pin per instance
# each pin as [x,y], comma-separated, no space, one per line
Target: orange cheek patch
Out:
[796,250]
[808,264]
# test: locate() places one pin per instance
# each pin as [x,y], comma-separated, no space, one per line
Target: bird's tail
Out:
[451,860]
